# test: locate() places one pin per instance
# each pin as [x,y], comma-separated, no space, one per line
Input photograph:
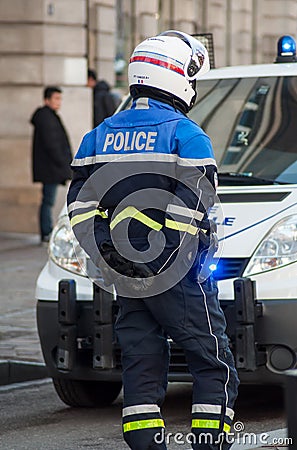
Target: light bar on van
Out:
[286,50]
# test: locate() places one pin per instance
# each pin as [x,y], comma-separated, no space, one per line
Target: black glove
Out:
[116,261]
[133,270]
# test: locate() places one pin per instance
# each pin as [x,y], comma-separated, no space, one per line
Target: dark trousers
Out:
[190,314]
[49,193]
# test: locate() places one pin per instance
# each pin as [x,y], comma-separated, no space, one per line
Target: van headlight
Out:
[278,248]
[65,250]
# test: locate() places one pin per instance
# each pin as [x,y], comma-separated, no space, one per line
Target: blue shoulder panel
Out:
[193,142]
[87,146]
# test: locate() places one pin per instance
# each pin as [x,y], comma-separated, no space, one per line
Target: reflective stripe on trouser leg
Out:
[210,425]
[143,427]
[145,363]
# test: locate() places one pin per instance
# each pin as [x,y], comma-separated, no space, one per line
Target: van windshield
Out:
[252,123]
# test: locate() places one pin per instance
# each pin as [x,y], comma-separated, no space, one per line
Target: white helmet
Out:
[166,67]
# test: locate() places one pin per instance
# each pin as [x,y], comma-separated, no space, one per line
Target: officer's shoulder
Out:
[88,142]
[89,138]
[188,128]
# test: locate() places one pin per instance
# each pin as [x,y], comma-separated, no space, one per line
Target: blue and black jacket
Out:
[145,176]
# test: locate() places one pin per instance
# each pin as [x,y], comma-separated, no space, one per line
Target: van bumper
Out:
[262,334]
[78,341]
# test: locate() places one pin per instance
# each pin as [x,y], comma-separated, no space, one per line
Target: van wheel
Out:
[85,393]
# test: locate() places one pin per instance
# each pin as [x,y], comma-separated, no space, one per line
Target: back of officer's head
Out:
[166,67]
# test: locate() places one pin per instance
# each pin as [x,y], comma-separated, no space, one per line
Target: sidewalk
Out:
[21,260]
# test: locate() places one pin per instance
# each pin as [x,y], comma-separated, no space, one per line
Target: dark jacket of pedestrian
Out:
[104,102]
[51,148]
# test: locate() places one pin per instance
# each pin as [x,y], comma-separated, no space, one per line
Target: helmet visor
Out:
[198,62]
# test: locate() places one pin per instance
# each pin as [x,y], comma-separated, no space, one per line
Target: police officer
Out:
[143,183]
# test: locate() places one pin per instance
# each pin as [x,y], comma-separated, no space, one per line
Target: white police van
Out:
[250,113]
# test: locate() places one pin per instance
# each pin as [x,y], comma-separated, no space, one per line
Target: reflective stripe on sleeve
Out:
[180,226]
[79,205]
[196,162]
[85,216]
[140,409]
[143,424]
[184,211]
[134,213]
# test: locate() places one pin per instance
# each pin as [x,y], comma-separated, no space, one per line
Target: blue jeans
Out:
[49,193]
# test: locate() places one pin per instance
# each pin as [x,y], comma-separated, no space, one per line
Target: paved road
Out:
[33,418]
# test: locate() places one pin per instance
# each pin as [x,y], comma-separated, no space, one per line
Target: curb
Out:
[18,371]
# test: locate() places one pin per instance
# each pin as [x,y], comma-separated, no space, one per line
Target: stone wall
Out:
[54,41]
[41,43]
[102,32]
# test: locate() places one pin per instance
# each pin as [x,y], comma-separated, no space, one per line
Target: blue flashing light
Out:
[286,49]
[286,46]
[212,267]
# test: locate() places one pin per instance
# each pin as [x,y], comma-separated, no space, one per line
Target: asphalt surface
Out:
[21,259]
[35,419]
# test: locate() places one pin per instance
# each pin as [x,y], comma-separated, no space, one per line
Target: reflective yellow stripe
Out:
[142,424]
[227,427]
[180,226]
[133,212]
[85,216]
[203,423]
[215,424]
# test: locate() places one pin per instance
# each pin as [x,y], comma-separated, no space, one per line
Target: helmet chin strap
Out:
[193,84]
[163,96]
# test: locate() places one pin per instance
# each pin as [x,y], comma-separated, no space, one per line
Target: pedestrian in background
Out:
[51,155]
[105,102]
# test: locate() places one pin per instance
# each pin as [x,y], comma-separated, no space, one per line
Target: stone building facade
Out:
[54,41]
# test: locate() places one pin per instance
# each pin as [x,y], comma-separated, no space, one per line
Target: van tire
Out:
[87,393]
